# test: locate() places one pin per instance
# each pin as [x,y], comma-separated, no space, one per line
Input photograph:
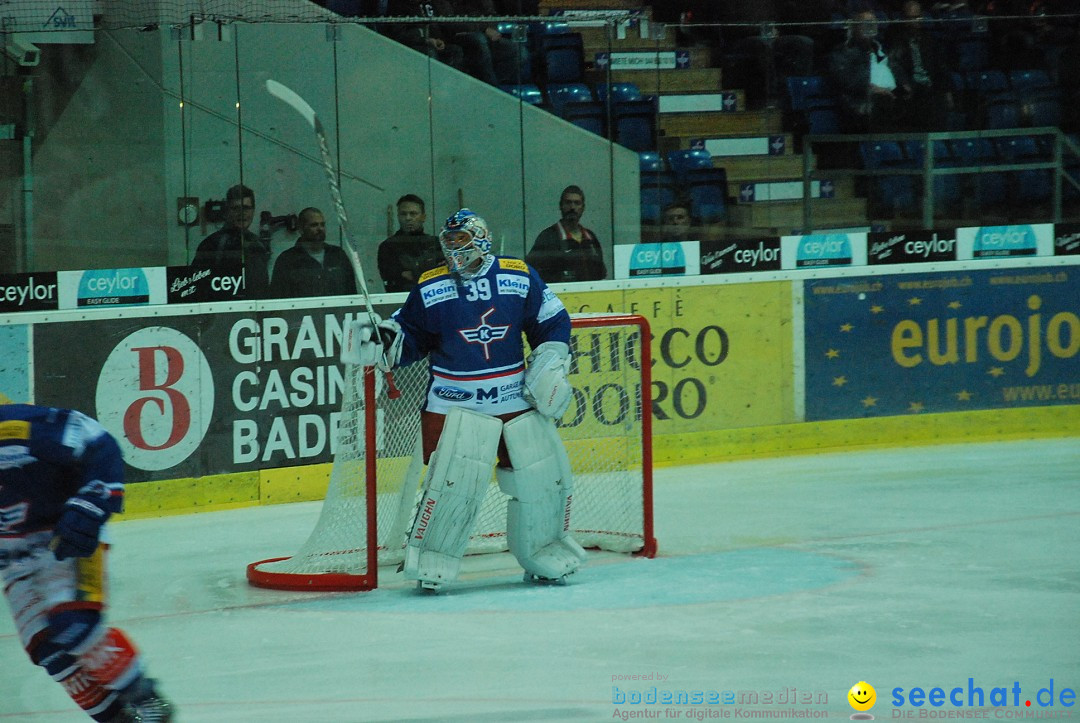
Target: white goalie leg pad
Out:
[457,480]
[541,485]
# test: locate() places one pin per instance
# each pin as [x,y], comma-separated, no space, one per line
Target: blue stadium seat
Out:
[990,189]
[970,53]
[1002,111]
[948,189]
[527,92]
[1034,186]
[634,123]
[650,162]
[617,92]
[574,102]
[1042,107]
[889,194]
[559,95]
[803,90]
[707,190]
[1036,79]
[563,57]
[684,163]
[657,191]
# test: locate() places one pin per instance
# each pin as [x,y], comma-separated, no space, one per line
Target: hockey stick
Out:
[301,106]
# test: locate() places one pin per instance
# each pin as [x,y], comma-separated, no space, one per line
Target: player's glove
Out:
[79,528]
[546,385]
[362,346]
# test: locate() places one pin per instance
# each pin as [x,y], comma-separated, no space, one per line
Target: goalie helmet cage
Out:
[375,479]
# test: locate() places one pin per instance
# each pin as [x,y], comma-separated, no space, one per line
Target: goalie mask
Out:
[465,243]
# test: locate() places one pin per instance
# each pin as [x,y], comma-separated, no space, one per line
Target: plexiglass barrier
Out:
[118,150]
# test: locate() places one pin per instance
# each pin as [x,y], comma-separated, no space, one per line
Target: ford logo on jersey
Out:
[452,394]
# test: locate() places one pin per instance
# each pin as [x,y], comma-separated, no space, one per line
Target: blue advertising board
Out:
[943,342]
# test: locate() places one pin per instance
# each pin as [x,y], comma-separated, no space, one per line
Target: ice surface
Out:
[902,568]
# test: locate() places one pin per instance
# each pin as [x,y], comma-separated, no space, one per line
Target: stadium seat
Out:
[1026,80]
[559,95]
[889,194]
[684,163]
[1002,111]
[527,92]
[707,190]
[804,90]
[634,124]
[948,189]
[617,92]
[657,191]
[988,188]
[563,56]
[1033,186]
[574,102]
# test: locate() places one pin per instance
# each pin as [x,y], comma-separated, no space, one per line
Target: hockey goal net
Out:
[375,479]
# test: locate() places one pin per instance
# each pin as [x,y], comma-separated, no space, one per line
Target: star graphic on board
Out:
[875,309]
[963,395]
[914,301]
[846,327]
[869,401]
[996,372]
[832,354]
[915,407]
[839,381]
[955,305]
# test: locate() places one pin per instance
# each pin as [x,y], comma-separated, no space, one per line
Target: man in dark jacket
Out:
[566,250]
[409,252]
[234,248]
[312,267]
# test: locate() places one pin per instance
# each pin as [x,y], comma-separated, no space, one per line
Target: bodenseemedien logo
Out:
[862,697]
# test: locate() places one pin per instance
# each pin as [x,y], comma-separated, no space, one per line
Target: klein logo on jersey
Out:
[439,291]
[15,455]
[510,284]
[485,333]
[452,394]
[12,517]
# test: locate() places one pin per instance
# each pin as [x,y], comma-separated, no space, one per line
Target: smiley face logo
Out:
[862,696]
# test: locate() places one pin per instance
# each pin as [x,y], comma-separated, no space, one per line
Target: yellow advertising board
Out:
[721,358]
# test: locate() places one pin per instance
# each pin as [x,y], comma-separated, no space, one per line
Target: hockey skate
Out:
[537,580]
[428,587]
[144,704]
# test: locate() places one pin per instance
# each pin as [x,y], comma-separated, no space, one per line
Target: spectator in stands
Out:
[676,222]
[869,86]
[312,267]
[489,56]
[409,252]
[921,60]
[566,250]
[433,39]
[234,248]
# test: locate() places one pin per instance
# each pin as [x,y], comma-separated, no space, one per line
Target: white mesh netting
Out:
[602,430]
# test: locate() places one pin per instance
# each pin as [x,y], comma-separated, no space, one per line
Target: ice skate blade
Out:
[537,580]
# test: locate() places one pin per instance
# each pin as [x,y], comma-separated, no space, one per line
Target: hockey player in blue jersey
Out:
[485,401]
[61,477]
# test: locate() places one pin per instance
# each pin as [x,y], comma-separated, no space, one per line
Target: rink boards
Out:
[222,405]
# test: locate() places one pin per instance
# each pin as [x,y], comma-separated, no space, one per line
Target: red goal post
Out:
[377,470]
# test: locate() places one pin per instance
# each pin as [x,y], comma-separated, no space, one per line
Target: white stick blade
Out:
[290,96]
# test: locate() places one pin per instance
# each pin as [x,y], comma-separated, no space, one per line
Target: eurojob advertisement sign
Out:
[943,342]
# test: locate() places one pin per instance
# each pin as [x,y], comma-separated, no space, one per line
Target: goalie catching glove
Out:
[362,346]
[547,386]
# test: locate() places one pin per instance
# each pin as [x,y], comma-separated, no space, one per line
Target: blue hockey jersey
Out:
[46,456]
[472,329]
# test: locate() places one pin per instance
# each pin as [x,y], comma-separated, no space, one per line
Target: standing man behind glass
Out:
[234,247]
[409,252]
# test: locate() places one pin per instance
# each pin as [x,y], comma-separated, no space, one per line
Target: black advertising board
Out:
[910,247]
[203,394]
[28,292]
[730,256]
